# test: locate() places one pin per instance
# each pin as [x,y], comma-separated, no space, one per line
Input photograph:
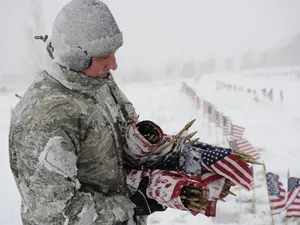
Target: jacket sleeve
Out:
[53,194]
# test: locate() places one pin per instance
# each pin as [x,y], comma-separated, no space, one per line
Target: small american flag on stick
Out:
[217,115]
[212,114]
[293,202]
[205,107]
[236,132]
[226,126]
[277,194]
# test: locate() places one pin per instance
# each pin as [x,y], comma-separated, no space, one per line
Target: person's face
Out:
[101,65]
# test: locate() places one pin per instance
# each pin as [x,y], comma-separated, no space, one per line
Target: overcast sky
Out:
[156,31]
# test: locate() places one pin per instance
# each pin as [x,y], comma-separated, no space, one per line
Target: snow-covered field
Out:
[272,126]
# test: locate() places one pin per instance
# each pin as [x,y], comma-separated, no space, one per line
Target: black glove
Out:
[145,205]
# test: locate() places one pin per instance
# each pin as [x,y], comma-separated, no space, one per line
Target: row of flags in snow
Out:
[232,132]
[267,93]
[279,199]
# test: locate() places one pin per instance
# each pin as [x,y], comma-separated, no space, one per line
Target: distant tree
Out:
[209,65]
[212,64]
[229,64]
[169,68]
[248,60]
[263,59]
[188,69]
[141,75]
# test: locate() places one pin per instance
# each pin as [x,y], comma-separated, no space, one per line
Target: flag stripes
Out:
[277,193]
[244,145]
[293,203]
[236,132]
[228,168]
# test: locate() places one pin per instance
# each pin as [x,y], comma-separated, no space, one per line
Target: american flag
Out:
[221,120]
[212,114]
[218,115]
[244,145]
[277,194]
[226,126]
[205,107]
[198,102]
[222,162]
[293,202]
[208,177]
[234,147]
[236,132]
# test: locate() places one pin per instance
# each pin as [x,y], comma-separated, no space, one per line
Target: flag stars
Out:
[293,183]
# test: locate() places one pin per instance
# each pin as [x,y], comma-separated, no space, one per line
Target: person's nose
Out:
[113,61]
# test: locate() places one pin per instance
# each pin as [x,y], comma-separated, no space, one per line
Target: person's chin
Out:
[102,75]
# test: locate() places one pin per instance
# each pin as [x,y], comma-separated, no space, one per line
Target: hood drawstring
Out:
[44,39]
[49,47]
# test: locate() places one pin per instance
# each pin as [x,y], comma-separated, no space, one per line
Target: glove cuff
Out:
[137,145]
[165,188]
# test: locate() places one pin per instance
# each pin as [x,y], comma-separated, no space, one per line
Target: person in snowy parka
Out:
[66,146]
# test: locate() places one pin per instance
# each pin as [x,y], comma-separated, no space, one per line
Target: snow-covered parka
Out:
[66,149]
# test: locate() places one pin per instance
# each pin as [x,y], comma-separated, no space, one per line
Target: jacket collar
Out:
[74,80]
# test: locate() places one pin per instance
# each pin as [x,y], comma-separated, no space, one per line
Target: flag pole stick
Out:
[223,136]
[254,196]
[254,202]
[203,113]
[265,171]
[216,134]
[286,218]
[208,127]
[240,200]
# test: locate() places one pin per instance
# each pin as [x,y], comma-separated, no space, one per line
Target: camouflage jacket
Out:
[66,150]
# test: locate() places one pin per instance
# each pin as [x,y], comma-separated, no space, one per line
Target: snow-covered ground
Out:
[271,126]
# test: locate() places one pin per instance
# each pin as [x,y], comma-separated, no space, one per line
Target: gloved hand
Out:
[150,131]
[192,198]
[145,205]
